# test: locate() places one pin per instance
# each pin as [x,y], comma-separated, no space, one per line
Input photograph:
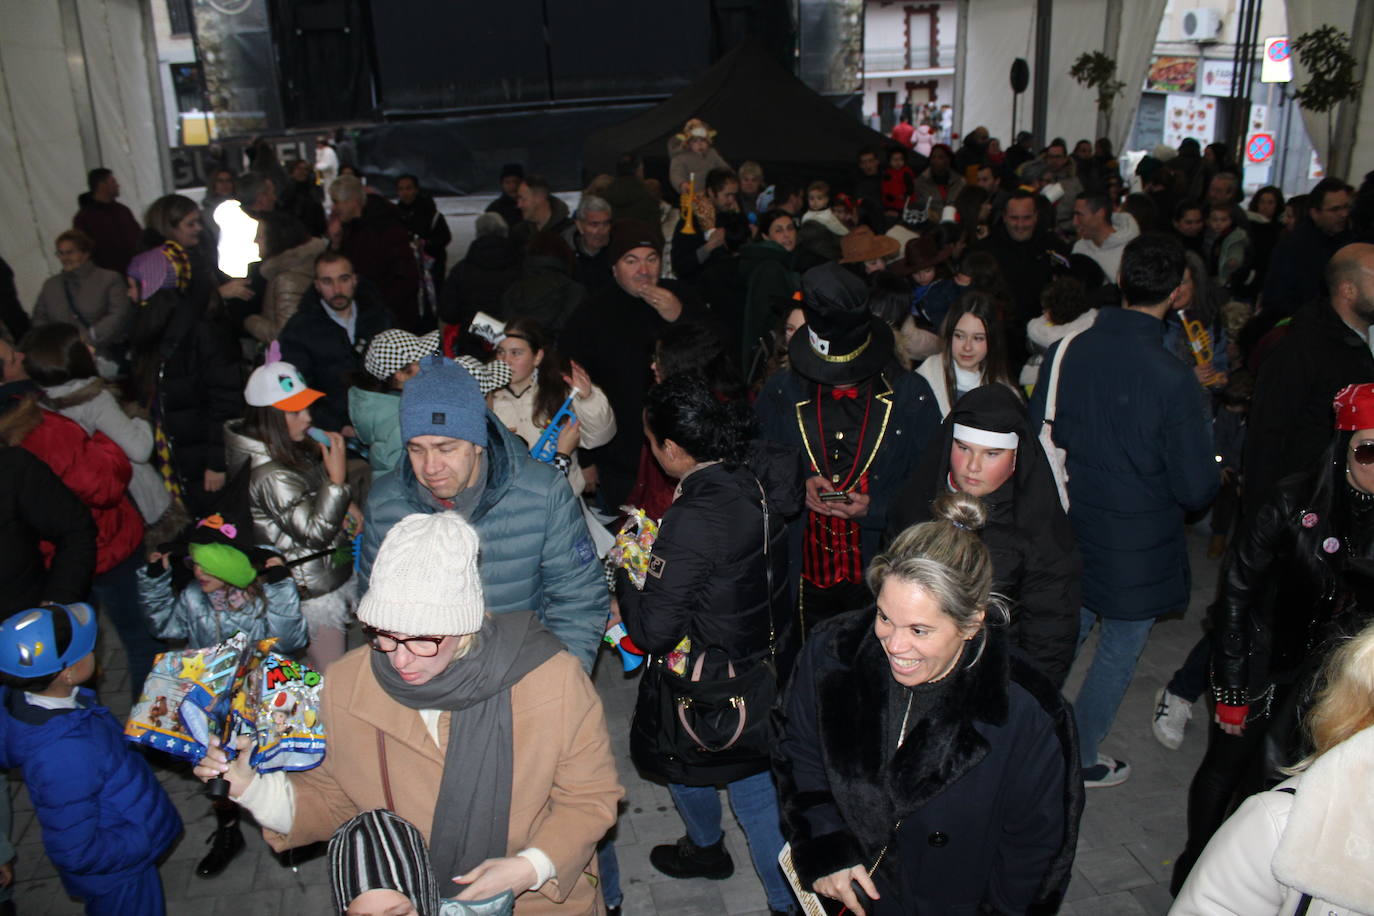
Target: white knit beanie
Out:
[425,581]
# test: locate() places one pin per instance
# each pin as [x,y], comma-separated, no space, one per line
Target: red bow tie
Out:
[851,393]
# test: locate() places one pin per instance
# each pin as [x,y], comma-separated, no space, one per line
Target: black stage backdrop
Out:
[435,56]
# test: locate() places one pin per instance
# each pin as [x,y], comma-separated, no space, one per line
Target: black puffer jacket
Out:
[709,580]
[36,506]
[1035,559]
[186,355]
[1284,595]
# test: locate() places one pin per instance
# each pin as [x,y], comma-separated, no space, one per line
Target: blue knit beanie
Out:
[443,399]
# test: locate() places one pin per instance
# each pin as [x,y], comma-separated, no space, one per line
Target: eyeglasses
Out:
[419,646]
[1364,452]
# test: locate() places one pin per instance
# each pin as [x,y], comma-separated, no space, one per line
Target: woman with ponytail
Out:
[923,769]
[716,584]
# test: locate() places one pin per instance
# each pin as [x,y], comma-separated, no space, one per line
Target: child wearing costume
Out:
[234,588]
[106,820]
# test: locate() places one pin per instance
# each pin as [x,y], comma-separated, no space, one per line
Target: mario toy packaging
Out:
[233,688]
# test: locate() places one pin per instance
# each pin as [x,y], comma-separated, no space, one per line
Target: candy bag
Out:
[186,698]
[631,552]
[633,545]
[231,689]
[284,696]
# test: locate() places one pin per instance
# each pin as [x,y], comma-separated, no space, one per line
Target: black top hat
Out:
[842,342]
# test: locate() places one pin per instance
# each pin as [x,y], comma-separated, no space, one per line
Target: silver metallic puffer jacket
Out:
[298,512]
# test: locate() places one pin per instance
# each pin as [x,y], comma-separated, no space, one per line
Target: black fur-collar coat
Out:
[986,786]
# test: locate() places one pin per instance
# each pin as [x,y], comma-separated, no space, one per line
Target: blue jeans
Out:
[1190,680]
[755,803]
[115,591]
[608,864]
[1118,649]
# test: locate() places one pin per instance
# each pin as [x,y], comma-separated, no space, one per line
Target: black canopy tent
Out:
[761,112]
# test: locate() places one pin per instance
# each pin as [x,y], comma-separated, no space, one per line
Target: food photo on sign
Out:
[1172,74]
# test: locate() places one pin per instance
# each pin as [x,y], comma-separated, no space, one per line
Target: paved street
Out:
[1129,837]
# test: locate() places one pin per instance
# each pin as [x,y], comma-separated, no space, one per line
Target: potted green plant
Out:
[1095,70]
[1325,54]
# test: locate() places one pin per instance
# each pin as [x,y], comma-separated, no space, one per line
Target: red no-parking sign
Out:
[1277,64]
[1260,148]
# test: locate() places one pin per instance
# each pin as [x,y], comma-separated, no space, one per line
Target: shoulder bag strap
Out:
[1051,400]
[71,305]
[386,776]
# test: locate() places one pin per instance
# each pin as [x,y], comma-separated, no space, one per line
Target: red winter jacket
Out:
[98,472]
[898,185]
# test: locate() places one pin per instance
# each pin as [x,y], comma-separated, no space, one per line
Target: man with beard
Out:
[1326,348]
[1026,257]
[328,336]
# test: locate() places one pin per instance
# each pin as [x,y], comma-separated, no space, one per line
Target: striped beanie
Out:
[381,850]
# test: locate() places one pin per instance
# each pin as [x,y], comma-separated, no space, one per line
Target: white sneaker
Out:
[1108,771]
[1172,713]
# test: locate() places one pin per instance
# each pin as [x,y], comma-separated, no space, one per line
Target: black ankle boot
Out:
[685,859]
[225,843]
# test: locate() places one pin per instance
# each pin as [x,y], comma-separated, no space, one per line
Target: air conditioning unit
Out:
[1201,25]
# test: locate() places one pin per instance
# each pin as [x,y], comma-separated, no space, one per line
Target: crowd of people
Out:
[853,467]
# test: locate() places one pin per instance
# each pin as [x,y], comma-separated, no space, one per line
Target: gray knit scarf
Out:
[472,812]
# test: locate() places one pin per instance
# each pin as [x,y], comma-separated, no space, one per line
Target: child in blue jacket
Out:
[234,588]
[106,820]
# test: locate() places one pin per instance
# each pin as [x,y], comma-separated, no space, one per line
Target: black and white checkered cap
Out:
[394,349]
[490,376]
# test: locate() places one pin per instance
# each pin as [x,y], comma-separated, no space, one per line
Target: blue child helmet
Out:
[28,643]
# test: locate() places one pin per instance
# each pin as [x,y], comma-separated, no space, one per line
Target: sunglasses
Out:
[1364,453]
[420,646]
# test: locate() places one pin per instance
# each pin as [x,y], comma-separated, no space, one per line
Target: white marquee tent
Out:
[76,92]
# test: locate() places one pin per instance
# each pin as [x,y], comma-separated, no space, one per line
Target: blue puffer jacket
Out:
[103,812]
[1140,457]
[536,551]
[189,616]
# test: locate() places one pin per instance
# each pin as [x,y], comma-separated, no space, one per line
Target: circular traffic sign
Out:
[1278,51]
[1260,148]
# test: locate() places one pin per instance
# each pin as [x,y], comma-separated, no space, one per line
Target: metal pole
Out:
[1040,99]
[1286,105]
[1251,39]
[1237,80]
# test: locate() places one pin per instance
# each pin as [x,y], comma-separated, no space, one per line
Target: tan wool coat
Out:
[564,786]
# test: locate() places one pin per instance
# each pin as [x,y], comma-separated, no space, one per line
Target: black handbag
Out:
[720,721]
